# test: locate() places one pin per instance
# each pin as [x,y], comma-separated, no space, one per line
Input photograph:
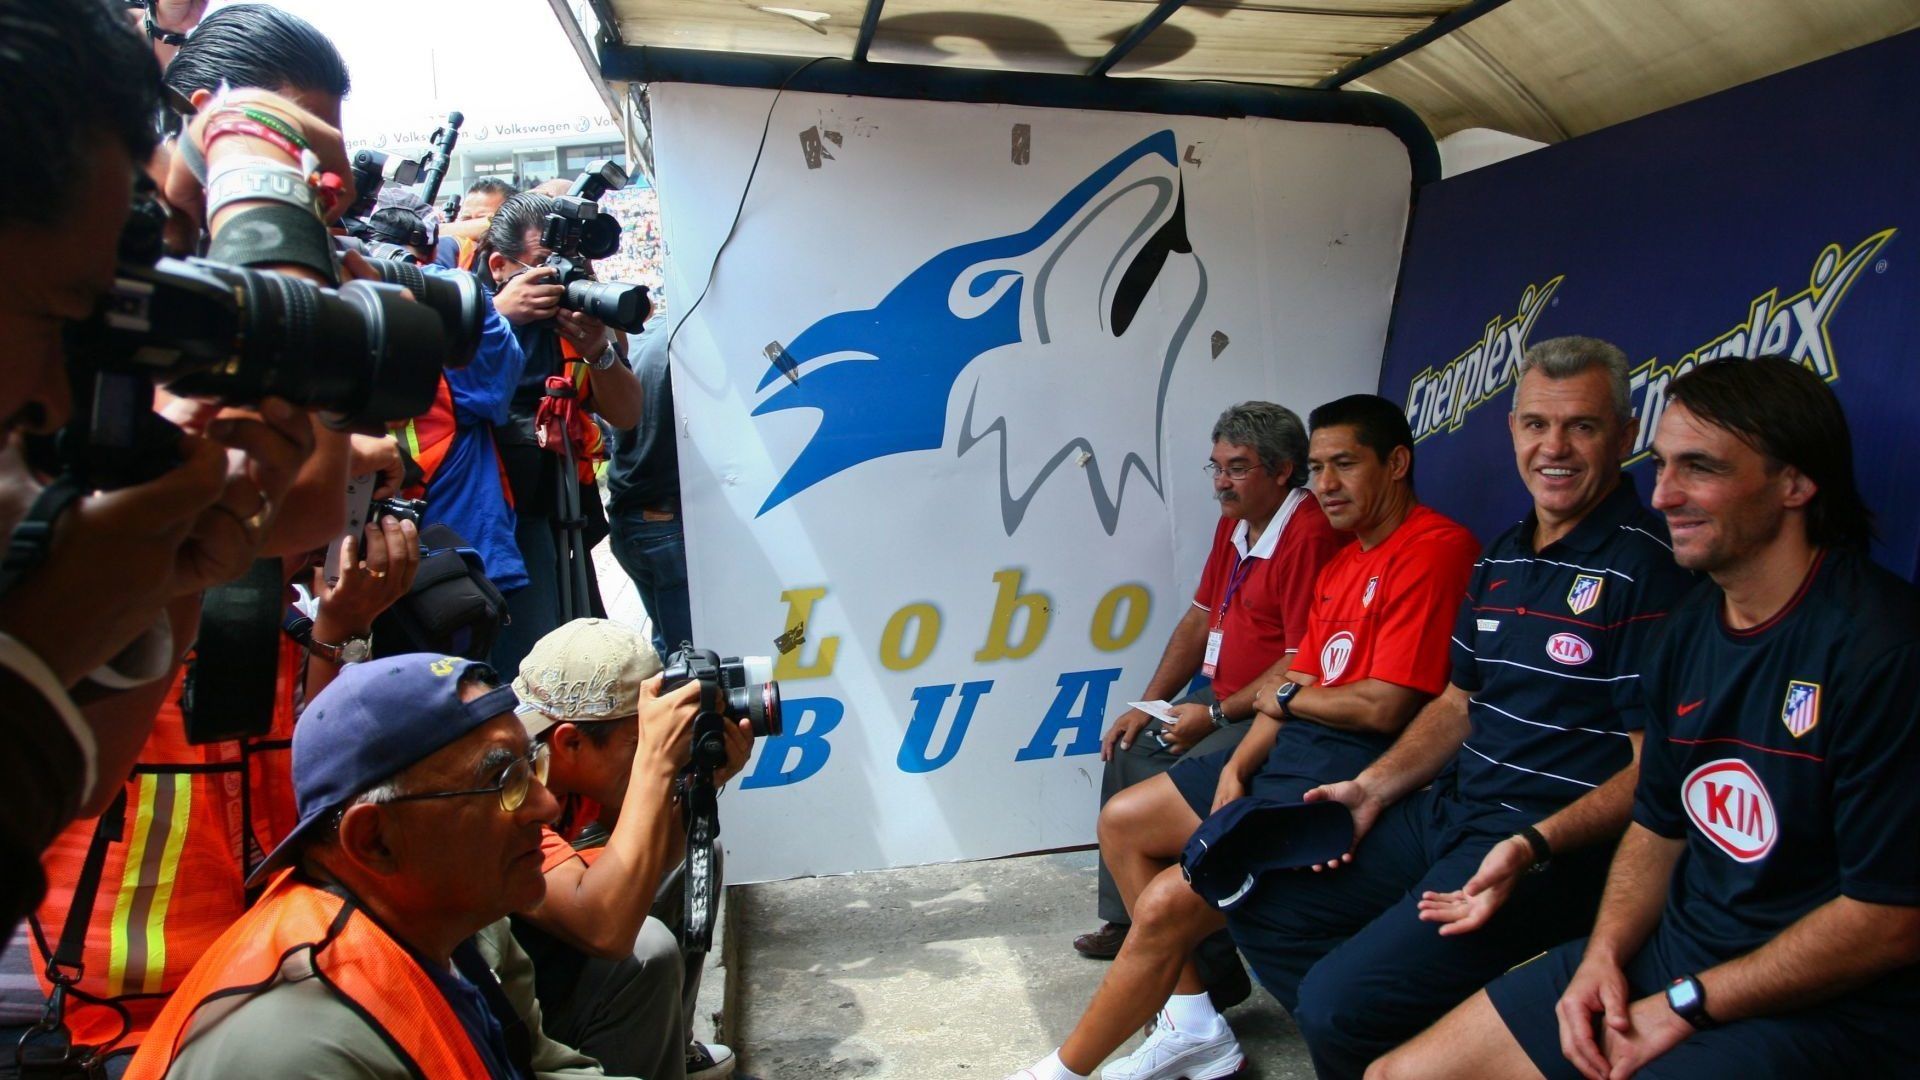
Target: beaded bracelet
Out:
[292,133]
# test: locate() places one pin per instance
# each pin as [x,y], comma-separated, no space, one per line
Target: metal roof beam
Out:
[1435,30]
[869,23]
[1139,34]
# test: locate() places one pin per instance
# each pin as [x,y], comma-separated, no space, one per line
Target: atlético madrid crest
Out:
[1802,709]
[1585,593]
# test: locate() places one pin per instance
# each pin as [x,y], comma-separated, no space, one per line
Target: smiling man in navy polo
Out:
[1762,917]
[1524,763]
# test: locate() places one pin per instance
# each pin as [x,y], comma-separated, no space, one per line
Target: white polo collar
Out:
[1270,539]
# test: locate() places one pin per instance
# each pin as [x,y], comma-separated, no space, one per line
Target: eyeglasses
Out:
[516,780]
[1234,472]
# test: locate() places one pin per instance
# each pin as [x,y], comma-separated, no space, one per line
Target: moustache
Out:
[1226,496]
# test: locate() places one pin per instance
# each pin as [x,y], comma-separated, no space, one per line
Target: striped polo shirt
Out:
[1550,645]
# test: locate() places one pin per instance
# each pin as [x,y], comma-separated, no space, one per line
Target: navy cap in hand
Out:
[1240,841]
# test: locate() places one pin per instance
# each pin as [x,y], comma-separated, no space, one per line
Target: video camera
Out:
[731,688]
[363,355]
[577,230]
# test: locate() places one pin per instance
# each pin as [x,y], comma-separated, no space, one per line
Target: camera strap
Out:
[702,808]
[32,538]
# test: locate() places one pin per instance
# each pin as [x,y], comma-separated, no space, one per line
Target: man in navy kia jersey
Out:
[1762,916]
[1526,759]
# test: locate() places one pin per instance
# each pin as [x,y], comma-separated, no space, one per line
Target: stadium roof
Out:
[1542,69]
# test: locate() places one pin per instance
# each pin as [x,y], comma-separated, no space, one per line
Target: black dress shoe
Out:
[1102,944]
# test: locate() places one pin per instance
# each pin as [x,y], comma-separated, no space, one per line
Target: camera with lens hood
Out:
[362,355]
[577,230]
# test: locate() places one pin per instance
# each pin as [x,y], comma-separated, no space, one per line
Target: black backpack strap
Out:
[66,962]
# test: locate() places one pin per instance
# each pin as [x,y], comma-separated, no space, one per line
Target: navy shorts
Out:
[1846,1036]
[1197,778]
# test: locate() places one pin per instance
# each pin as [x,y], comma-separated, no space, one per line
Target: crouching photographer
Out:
[618,941]
[99,586]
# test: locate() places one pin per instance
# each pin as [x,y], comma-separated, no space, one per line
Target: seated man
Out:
[1374,651]
[1762,917]
[1527,757]
[612,978]
[1246,620]
[420,808]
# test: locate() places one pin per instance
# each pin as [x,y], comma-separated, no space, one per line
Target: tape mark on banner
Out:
[779,357]
[1219,344]
[813,149]
[1022,143]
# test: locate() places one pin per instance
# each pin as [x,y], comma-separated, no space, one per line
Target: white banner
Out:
[946,402]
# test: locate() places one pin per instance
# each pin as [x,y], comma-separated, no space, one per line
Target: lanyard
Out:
[1245,565]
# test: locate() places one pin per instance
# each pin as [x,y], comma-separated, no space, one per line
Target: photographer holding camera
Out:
[609,971]
[573,371]
[138,553]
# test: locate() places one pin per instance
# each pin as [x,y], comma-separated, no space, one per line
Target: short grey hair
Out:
[1565,357]
[1273,431]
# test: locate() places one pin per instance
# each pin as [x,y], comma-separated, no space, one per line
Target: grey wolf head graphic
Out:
[1032,320]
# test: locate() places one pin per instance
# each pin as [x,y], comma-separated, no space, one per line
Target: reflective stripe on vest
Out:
[356,959]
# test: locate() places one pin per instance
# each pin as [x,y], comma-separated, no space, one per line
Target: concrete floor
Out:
[958,970]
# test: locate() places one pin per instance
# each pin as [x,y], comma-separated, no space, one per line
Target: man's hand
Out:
[589,335]
[1467,909]
[666,727]
[1598,987]
[124,547]
[1125,729]
[739,747]
[1653,1028]
[1359,802]
[264,453]
[1231,786]
[529,296]
[184,192]
[378,455]
[1195,722]
[374,574]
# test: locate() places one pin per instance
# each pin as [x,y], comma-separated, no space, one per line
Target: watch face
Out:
[1683,997]
[356,651]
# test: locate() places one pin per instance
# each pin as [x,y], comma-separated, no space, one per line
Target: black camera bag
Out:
[452,608]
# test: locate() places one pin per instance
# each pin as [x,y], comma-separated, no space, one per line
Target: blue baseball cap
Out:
[1226,855]
[372,721]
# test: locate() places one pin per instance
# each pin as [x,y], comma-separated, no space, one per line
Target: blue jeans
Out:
[654,555]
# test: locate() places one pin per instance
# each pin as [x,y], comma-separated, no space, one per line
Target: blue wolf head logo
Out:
[885,375]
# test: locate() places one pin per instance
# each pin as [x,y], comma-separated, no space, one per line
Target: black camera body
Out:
[398,508]
[731,688]
[578,230]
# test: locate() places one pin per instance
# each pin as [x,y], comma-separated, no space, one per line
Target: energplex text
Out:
[1073,721]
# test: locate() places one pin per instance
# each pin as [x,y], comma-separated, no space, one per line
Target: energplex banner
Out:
[944,409]
[1779,217]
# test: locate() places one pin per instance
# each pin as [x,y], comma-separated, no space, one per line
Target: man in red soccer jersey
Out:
[1375,649]
[1246,619]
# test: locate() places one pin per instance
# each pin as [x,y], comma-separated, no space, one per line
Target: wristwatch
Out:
[1537,843]
[1283,697]
[1688,999]
[613,352]
[356,649]
[1217,714]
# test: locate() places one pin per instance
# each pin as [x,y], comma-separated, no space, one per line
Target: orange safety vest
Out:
[359,961]
[428,438]
[172,885]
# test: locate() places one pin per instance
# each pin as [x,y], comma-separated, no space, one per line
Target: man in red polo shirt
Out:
[1374,650]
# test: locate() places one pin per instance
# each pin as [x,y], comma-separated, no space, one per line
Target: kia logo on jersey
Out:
[1727,802]
[1569,649]
[1334,656]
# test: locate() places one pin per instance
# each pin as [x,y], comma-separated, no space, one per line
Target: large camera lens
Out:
[756,696]
[455,297]
[600,236]
[624,306]
[364,355]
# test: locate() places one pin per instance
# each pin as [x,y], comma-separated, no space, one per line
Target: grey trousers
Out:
[1144,760]
[635,1014]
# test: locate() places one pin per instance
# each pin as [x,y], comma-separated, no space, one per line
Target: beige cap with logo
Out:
[589,669]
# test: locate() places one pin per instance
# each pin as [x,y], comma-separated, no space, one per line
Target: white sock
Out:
[1193,1013]
[1052,1068]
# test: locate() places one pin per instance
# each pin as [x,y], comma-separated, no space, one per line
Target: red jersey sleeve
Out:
[1413,642]
[1307,547]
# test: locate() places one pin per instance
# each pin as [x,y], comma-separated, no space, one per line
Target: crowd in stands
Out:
[325,761]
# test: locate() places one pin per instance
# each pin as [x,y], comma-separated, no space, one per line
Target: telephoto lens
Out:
[363,355]
[455,297]
[624,306]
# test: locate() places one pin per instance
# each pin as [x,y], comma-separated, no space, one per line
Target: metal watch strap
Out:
[1218,715]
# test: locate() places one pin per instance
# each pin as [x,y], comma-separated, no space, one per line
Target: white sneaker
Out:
[1177,1055]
